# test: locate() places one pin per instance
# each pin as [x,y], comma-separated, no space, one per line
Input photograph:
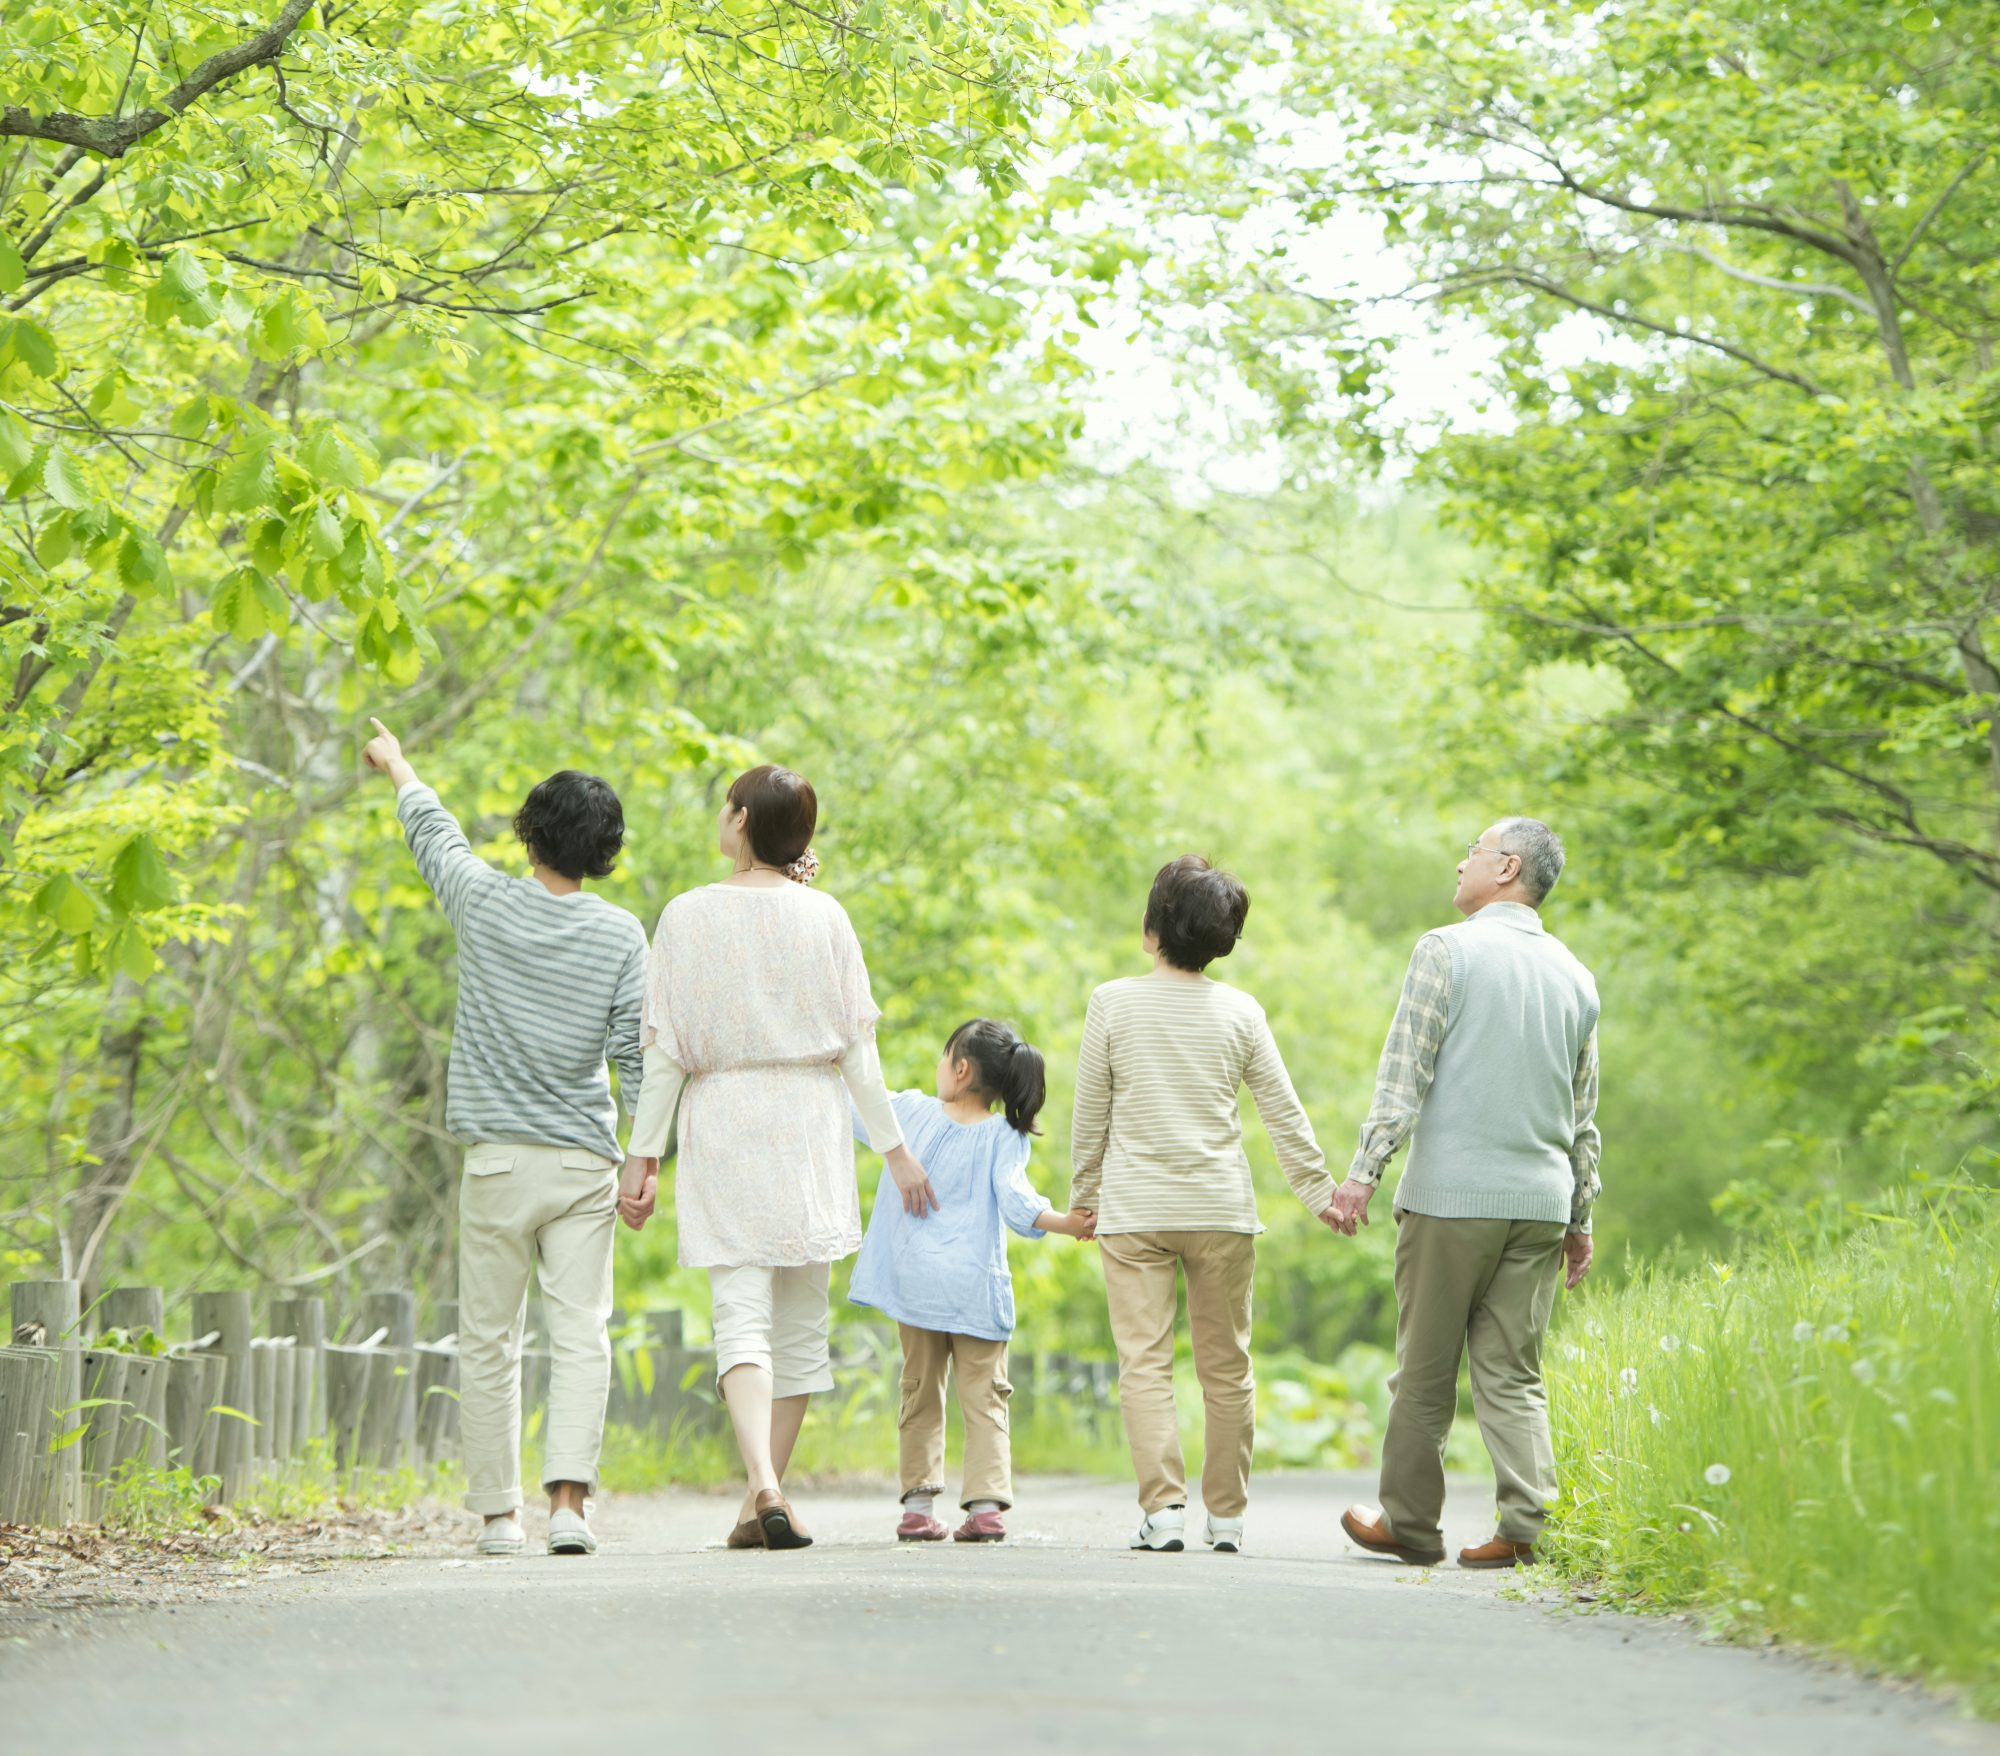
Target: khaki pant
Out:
[522,1210]
[1140,1271]
[983,1390]
[1483,1286]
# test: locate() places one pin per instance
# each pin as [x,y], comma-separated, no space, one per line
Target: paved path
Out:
[1061,1640]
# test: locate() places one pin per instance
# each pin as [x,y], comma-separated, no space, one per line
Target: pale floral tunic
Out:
[758,996]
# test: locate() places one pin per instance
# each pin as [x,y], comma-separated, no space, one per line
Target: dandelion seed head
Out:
[1864,1371]
[1802,1332]
[1628,1376]
[1716,1474]
[1670,1344]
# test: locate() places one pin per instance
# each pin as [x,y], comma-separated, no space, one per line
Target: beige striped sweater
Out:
[1157,1143]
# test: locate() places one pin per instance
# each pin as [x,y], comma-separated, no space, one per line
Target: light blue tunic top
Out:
[948,1270]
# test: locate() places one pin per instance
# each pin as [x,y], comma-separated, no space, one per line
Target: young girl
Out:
[943,1274]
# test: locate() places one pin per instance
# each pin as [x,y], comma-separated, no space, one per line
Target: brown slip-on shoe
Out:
[1364,1526]
[1497,1552]
[782,1529]
[747,1535]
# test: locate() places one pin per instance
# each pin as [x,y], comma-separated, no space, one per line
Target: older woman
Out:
[757,1003]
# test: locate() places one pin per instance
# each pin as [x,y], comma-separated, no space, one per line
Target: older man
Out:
[1492,1062]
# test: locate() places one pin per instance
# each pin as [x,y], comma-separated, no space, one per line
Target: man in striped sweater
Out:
[550,984]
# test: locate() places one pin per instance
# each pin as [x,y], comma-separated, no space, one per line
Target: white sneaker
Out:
[569,1534]
[1163,1531]
[1224,1535]
[504,1536]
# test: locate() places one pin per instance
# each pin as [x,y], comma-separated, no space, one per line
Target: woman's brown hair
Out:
[783,811]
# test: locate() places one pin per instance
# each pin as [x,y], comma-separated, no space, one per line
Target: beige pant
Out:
[522,1210]
[1483,1286]
[774,1318]
[1140,1270]
[983,1390]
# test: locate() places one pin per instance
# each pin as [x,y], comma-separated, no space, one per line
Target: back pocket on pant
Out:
[488,1161]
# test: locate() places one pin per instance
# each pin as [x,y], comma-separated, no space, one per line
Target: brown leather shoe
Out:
[1497,1552]
[782,1530]
[1364,1525]
[747,1535]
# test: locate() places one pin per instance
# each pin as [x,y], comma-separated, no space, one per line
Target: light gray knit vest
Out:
[1493,1137]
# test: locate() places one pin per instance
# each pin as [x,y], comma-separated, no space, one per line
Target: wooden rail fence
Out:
[89,1398]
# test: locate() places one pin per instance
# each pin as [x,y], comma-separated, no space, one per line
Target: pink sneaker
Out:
[981,1527]
[920,1527]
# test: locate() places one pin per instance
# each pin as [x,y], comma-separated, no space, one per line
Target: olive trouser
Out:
[1482,1287]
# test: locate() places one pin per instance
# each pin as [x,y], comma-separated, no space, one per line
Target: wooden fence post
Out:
[227,1316]
[27,1393]
[135,1310]
[392,1391]
[304,1320]
[50,1308]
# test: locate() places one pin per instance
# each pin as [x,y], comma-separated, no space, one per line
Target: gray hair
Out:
[1538,848]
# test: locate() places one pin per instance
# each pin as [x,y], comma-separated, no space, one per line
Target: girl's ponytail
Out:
[1004,1067]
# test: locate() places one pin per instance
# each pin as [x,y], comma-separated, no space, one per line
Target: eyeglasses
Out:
[1473,847]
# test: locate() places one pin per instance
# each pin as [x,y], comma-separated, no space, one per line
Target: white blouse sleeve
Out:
[658,1092]
[861,1067]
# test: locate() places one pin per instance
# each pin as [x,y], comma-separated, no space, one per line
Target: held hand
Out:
[1577,1251]
[1350,1206]
[638,1190]
[919,1198]
[1085,1222]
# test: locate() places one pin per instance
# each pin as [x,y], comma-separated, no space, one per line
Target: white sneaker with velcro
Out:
[1164,1531]
[1224,1535]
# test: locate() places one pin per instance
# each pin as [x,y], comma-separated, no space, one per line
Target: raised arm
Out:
[1090,1121]
[1285,1120]
[444,857]
[1408,1065]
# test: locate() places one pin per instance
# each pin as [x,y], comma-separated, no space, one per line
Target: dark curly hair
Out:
[573,824]
[1196,912]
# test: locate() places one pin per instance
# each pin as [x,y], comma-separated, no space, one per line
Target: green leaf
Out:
[131,952]
[335,455]
[57,541]
[139,877]
[12,270]
[63,481]
[324,536]
[182,291]
[267,544]
[191,419]
[65,901]
[287,323]
[33,346]
[251,480]
[240,607]
[17,444]
[142,563]
[28,477]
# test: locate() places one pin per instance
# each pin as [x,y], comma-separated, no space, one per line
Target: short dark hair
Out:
[784,811]
[1006,1068]
[573,824]
[1196,912]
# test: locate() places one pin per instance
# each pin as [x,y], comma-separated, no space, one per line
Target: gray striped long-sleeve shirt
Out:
[549,987]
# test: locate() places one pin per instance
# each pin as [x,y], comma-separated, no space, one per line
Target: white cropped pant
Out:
[774,1318]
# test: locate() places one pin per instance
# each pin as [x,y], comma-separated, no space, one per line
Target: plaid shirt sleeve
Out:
[1588,1145]
[1409,1059]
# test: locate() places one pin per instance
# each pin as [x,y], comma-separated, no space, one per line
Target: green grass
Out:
[1804,1447]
